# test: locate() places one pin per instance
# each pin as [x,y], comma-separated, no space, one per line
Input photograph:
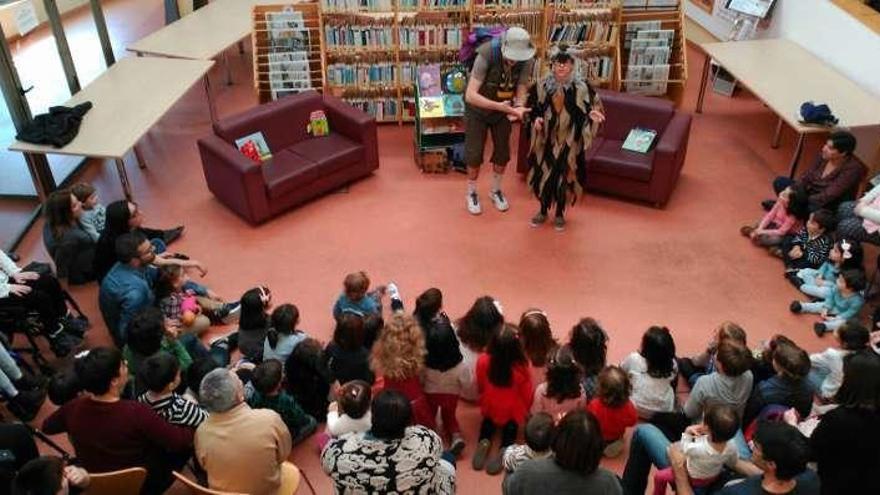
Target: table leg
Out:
[796,158]
[228,69]
[777,134]
[41,174]
[140,157]
[123,178]
[211,109]
[703,81]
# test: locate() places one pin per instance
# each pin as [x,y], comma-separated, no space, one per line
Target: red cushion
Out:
[611,159]
[332,152]
[287,172]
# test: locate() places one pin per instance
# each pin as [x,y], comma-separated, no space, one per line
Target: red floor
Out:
[626,264]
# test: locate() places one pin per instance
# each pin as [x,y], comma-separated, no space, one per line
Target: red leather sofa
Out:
[302,167]
[649,177]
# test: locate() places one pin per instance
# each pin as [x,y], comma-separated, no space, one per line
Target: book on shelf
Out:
[357,5]
[642,53]
[657,34]
[596,68]
[288,46]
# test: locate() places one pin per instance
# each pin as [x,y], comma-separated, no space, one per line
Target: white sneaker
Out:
[473,203]
[393,291]
[499,200]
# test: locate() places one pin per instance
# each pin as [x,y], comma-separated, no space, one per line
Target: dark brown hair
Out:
[480,323]
[349,332]
[354,398]
[614,387]
[356,285]
[82,190]
[563,376]
[536,336]
[505,352]
[578,443]
[792,360]
[59,212]
[589,343]
[268,376]
[734,357]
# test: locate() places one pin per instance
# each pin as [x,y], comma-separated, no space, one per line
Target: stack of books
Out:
[288,53]
[649,48]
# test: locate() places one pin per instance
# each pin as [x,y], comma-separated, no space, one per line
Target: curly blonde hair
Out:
[399,352]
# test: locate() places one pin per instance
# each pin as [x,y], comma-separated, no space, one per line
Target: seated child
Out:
[788,387]
[652,372]
[562,391]
[785,218]
[351,411]
[192,305]
[94,214]
[843,303]
[704,363]
[730,384]
[147,335]
[268,379]
[540,430]
[826,373]
[819,282]
[589,344]
[809,247]
[707,448]
[345,356]
[283,336]
[355,298]
[160,373]
[613,409]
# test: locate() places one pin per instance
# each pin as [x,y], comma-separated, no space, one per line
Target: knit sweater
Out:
[718,388]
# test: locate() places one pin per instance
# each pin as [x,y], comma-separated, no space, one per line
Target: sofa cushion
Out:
[283,121]
[609,158]
[624,111]
[287,171]
[332,152]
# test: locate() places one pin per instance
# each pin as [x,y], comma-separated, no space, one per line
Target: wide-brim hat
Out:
[517,45]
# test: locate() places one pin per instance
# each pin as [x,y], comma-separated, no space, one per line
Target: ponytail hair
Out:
[284,320]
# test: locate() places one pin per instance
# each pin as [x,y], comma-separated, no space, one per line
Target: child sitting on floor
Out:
[351,411]
[540,430]
[589,344]
[843,303]
[785,218]
[613,409]
[160,374]
[707,447]
[94,214]
[809,247]
[191,305]
[704,363]
[819,282]
[562,391]
[538,341]
[355,297]
[826,372]
[268,379]
[283,336]
[653,371]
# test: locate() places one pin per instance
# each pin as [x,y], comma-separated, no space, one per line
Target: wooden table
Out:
[128,99]
[783,75]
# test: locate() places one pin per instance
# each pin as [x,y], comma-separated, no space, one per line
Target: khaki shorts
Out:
[476,124]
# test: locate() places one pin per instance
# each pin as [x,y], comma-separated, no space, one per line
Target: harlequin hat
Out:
[516,45]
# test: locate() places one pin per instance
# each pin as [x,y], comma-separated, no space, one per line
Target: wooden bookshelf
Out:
[596,43]
[671,18]
[267,74]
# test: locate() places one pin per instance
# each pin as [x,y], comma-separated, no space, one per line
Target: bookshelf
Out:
[590,28]
[288,50]
[645,69]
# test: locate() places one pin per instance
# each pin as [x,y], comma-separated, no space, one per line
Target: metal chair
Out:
[26,323]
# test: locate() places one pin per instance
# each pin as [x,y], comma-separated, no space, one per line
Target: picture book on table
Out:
[639,140]
[429,80]
[254,146]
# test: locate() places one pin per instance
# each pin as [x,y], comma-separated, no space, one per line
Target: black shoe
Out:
[232,339]
[228,313]
[796,281]
[222,343]
[75,325]
[820,329]
[795,307]
[30,382]
[26,404]
[172,235]
[767,204]
[63,343]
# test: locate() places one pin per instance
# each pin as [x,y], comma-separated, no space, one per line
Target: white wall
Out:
[8,12]
[830,33]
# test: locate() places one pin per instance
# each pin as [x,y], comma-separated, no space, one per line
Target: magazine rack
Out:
[439,121]
[288,50]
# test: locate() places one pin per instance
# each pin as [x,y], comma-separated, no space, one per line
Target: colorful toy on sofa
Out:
[318,125]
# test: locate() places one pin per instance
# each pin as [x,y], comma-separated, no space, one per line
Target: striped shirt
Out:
[176,410]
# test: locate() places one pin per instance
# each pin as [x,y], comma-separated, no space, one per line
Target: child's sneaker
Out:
[228,313]
[480,454]
[746,230]
[393,291]
[820,329]
[496,463]
[795,307]
[456,447]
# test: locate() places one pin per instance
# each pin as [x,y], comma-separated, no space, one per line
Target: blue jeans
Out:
[198,351]
[816,377]
[809,287]
[647,447]
[831,324]
[9,372]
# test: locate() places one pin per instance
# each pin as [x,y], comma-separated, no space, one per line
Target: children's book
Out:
[639,140]
[254,146]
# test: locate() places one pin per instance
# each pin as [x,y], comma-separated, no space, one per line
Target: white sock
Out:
[496,181]
[471,186]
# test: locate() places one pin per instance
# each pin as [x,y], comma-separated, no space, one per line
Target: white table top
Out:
[128,98]
[784,75]
[203,34]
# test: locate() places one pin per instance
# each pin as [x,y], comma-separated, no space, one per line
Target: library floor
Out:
[626,264]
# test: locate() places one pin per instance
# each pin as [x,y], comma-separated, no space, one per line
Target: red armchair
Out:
[302,167]
[649,177]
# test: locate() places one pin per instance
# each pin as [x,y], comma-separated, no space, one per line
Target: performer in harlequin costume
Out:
[565,112]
